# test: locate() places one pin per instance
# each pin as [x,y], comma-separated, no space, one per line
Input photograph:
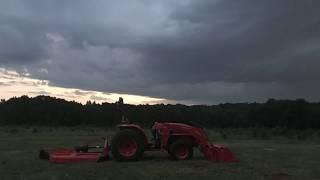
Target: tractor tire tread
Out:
[131,133]
[177,143]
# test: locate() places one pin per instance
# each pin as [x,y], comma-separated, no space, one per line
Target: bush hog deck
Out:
[130,142]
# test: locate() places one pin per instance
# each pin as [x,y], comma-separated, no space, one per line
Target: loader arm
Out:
[198,136]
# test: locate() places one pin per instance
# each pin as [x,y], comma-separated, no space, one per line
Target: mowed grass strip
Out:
[274,158]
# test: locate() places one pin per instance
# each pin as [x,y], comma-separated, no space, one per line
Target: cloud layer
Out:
[192,51]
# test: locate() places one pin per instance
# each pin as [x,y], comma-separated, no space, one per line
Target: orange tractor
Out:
[130,142]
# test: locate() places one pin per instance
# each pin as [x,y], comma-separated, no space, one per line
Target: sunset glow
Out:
[14,84]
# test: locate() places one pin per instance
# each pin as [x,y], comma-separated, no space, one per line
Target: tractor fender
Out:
[135,127]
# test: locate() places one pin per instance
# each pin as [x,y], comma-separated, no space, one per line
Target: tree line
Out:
[51,111]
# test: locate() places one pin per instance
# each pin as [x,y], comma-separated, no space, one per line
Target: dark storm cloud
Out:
[238,41]
[193,51]
[21,40]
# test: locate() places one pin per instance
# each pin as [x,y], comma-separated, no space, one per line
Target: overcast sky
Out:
[189,51]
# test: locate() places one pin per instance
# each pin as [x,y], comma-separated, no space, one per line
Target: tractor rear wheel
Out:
[181,150]
[127,145]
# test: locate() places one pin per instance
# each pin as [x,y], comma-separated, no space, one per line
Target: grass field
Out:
[260,158]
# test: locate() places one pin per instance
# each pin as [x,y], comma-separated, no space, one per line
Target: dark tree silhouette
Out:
[45,110]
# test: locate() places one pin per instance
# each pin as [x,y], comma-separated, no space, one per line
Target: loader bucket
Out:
[218,153]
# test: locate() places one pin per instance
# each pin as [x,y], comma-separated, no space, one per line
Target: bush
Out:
[223,135]
[260,133]
[14,131]
[35,130]
[279,131]
[291,134]
[305,134]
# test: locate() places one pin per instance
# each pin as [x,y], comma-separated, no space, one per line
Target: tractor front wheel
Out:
[127,145]
[181,150]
